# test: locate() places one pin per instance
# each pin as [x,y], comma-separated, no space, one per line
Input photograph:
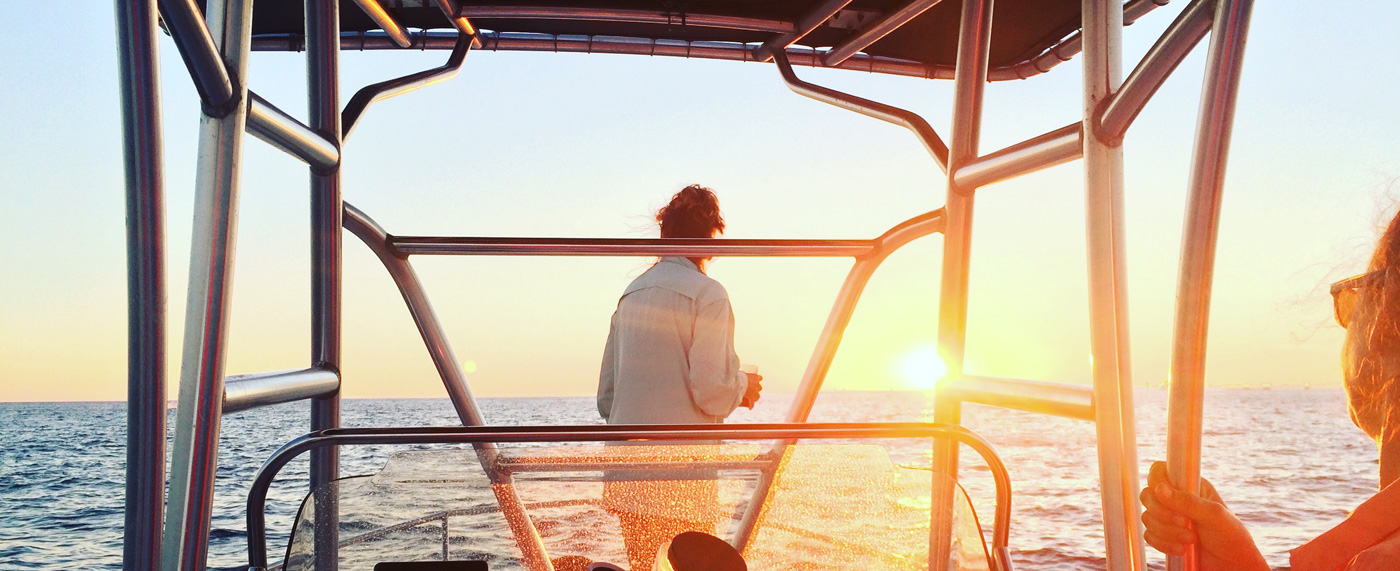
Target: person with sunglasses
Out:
[1368,307]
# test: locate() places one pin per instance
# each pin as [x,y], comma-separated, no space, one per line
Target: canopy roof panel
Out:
[925,45]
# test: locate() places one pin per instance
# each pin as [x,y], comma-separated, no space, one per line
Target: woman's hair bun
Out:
[692,213]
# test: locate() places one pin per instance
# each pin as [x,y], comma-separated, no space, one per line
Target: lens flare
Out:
[922,368]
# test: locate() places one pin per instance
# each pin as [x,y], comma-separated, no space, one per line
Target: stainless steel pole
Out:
[194,459]
[1186,393]
[1108,293]
[323,94]
[145,272]
[969,83]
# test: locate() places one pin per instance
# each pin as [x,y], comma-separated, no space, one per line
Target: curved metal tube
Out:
[1186,394]
[369,94]
[888,113]
[257,493]
[434,337]
[453,378]
[217,89]
[827,344]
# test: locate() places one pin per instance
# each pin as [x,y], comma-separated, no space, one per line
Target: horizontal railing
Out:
[1053,148]
[1057,399]
[243,392]
[494,246]
[257,494]
[277,128]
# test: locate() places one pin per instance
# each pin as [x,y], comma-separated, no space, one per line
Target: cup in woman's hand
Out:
[755,385]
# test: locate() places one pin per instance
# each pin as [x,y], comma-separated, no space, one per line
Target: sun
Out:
[922,368]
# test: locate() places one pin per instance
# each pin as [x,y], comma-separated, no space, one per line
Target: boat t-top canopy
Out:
[969,41]
[901,37]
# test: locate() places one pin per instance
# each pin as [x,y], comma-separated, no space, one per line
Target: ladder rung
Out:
[242,392]
[1058,399]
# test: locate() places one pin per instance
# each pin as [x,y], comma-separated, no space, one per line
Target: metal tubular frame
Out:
[381,17]
[1186,392]
[534,42]
[323,102]
[1059,52]
[484,246]
[661,17]
[369,94]
[243,392]
[1110,107]
[1056,147]
[1058,399]
[138,45]
[887,113]
[257,494]
[876,30]
[827,344]
[1066,49]
[453,378]
[218,90]
[1175,44]
[194,458]
[434,336]
[277,128]
[803,26]
[453,12]
[974,41]
[1111,366]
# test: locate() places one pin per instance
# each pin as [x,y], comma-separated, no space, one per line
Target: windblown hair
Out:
[692,213]
[1380,391]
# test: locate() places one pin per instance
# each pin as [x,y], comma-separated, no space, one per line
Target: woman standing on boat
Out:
[1368,306]
[670,360]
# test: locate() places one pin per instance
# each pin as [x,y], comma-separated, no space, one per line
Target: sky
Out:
[591,145]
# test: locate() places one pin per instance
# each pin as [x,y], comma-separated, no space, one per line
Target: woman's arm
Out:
[607,377]
[716,384]
[1175,519]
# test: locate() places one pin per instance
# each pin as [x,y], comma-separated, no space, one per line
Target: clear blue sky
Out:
[575,145]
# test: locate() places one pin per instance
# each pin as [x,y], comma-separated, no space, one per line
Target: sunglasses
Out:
[1345,294]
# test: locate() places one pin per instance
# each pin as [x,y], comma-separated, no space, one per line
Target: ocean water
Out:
[1289,462]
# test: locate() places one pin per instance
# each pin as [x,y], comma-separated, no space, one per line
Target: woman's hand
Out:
[1223,543]
[752,392]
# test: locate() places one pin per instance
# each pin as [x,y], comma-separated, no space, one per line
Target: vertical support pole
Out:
[323,89]
[145,272]
[193,461]
[1186,394]
[969,83]
[1108,293]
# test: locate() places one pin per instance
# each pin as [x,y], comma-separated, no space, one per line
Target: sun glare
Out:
[922,368]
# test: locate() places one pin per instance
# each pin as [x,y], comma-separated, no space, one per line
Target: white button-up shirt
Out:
[670,353]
